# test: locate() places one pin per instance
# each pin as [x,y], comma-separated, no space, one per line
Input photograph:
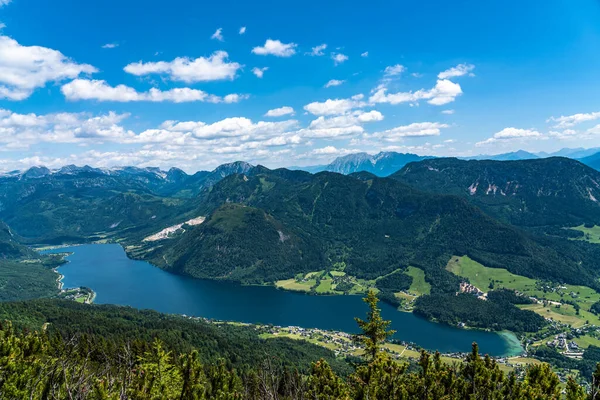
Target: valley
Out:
[239,233]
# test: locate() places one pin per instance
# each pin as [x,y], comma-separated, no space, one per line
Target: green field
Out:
[324,282]
[297,286]
[591,235]
[419,286]
[481,276]
[587,341]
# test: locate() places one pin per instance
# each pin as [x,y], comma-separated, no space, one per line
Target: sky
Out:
[195,84]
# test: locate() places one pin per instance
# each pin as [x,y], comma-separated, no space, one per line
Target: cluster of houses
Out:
[570,348]
[466,287]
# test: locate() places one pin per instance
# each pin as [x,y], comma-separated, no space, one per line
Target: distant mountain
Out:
[273,224]
[573,153]
[592,161]
[381,164]
[72,204]
[313,169]
[550,191]
[516,155]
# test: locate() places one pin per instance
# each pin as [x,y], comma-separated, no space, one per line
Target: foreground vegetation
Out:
[49,365]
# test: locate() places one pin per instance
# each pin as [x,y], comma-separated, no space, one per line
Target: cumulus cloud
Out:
[335,106]
[448,112]
[26,68]
[100,90]
[281,111]
[202,69]
[110,45]
[444,92]
[318,50]
[459,70]
[242,30]
[575,119]
[275,48]
[341,125]
[4,2]
[414,130]
[334,82]
[218,35]
[365,54]
[19,131]
[259,72]
[338,58]
[393,70]
[509,134]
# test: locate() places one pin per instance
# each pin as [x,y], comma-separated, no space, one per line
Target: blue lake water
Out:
[117,279]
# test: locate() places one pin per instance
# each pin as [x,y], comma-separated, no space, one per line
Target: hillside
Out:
[531,193]
[112,352]
[76,204]
[272,225]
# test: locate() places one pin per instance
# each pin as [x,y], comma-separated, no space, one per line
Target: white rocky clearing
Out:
[171,230]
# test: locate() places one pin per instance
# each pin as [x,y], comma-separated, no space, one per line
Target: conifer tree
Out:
[374,329]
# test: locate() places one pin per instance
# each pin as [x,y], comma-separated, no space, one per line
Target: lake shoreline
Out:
[251,304]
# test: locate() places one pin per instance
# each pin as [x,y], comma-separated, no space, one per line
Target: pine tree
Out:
[374,329]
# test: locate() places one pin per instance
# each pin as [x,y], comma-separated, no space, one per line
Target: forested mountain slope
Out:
[552,191]
[75,204]
[269,225]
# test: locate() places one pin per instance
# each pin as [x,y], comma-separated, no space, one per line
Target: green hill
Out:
[531,193]
[271,225]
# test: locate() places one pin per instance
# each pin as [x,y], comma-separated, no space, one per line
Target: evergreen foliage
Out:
[39,365]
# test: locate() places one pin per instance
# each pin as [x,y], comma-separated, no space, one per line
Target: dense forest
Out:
[310,222]
[46,364]
[544,192]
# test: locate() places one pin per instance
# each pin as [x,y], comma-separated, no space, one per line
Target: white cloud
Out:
[214,68]
[334,82]
[4,2]
[394,70]
[507,134]
[281,111]
[259,72]
[459,70]
[110,45]
[414,130]
[365,54]
[342,125]
[336,106]
[512,133]
[234,98]
[83,89]
[338,58]
[242,30]
[444,92]
[318,50]
[448,112]
[2,25]
[26,68]
[276,48]
[575,119]
[218,35]
[19,131]
[330,151]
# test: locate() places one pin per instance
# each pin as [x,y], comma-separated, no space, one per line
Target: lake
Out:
[117,279]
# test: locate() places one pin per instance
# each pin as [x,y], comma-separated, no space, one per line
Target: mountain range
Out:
[255,225]
[386,163]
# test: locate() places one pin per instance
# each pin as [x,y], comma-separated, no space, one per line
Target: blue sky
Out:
[180,83]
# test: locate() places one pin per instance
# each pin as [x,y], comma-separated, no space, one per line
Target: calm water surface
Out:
[116,279]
